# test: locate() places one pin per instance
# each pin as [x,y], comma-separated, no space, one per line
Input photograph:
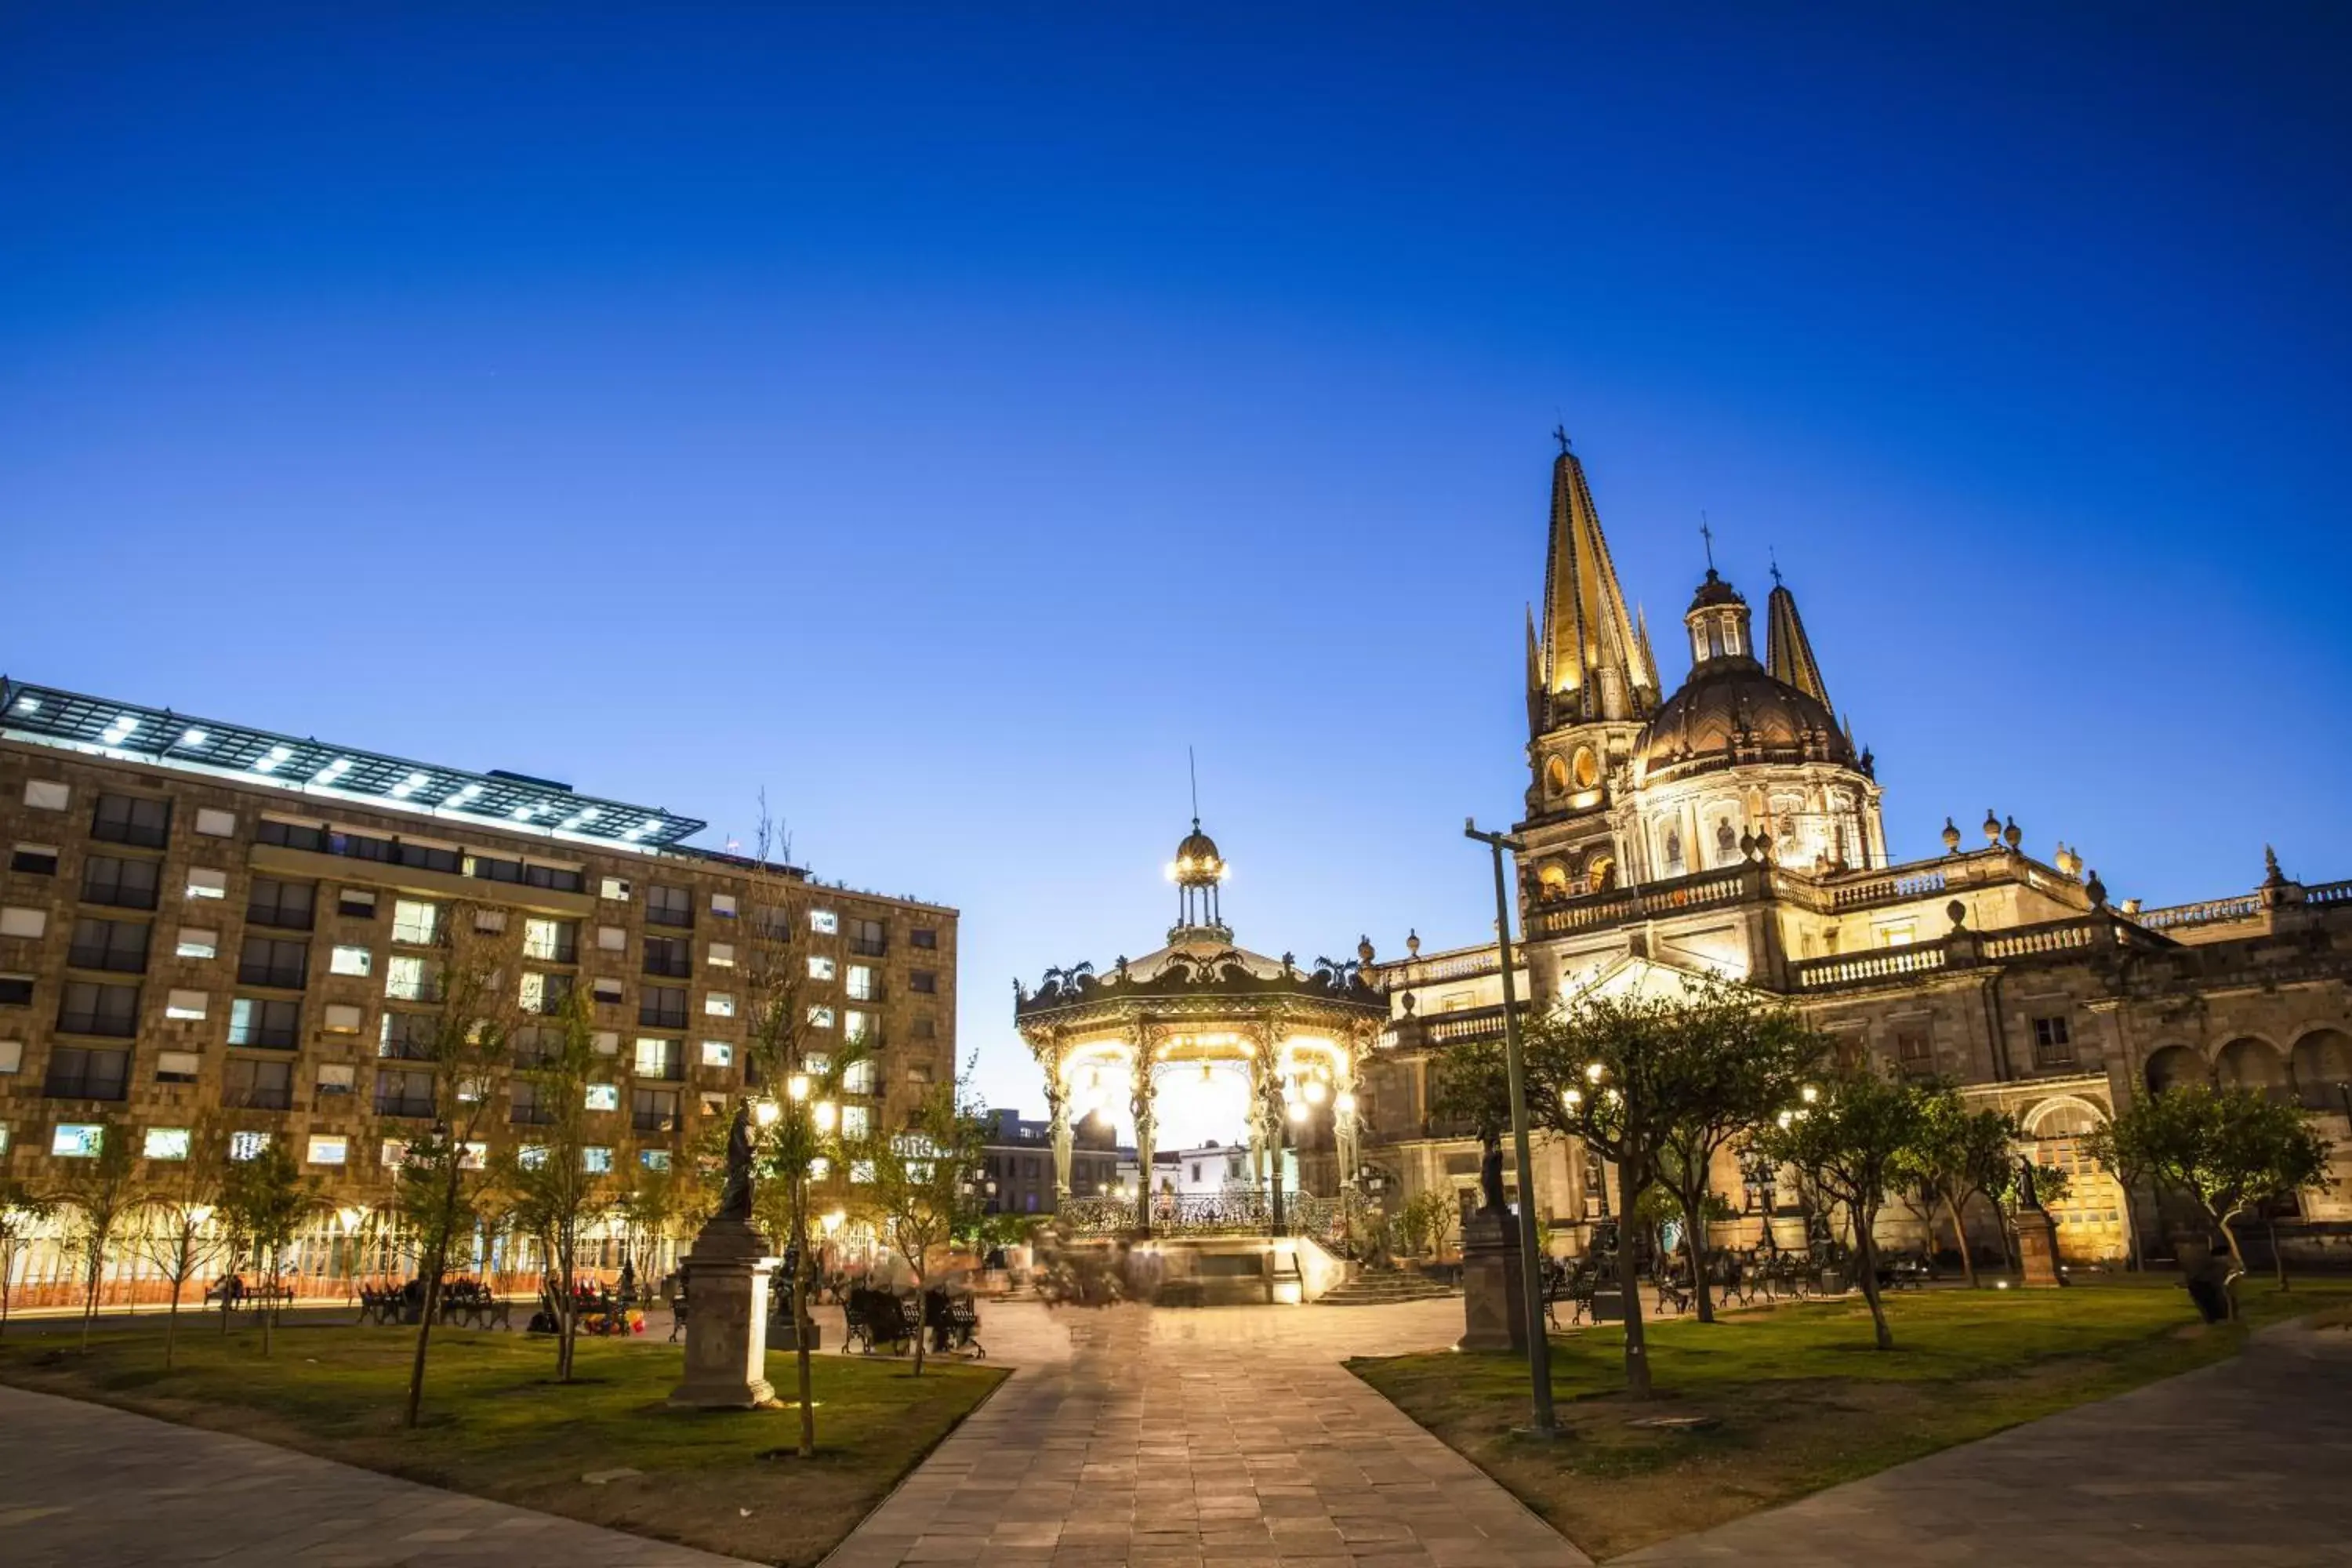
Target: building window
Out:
[82,1072]
[490,922]
[404,1091]
[343,1018]
[1914,1052]
[267,961]
[861,982]
[669,906]
[131,819]
[596,1161]
[723,905]
[187,1004]
[407,1035]
[45,795]
[195,942]
[722,955]
[178,1066]
[669,955]
[325,1150]
[663,1006]
[337,1078]
[525,1108]
[551,941]
[857,1121]
[204,882]
[417,924]
[924,936]
[868,939]
[24,921]
[125,884]
[165,1144]
[355,904]
[605,989]
[276,903]
[244,1146]
[545,995]
[820,968]
[825,922]
[34,860]
[653,1110]
[273,1023]
[616,889]
[857,1025]
[820,1017]
[857,1078]
[774,921]
[923,982]
[661,1058]
[2053,1042]
[77,1139]
[360,961]
[412,979]
[89,1008]
[718,1004]
[603,1097]
[717,1054]
[118,945]
[654,1159]
[214,824]
[925,1029]
[15,990]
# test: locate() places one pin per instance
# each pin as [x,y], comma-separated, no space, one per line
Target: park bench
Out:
[878,1318]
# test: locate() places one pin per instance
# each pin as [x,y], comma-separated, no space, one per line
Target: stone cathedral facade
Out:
[1731,824]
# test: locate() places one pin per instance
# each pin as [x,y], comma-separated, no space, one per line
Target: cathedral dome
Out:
[1730,711]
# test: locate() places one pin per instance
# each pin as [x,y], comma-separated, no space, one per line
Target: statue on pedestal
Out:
[735,1197]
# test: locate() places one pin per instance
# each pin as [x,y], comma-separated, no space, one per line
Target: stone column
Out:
[1144,1105]
[727,1319]
[1058,1109]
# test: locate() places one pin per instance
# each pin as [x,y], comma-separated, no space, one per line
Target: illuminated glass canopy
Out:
[52,717]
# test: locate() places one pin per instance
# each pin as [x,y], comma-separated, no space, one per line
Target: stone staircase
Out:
[1378,1287]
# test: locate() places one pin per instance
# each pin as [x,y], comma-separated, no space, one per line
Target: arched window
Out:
[1555,776]
[2248,1063]
[2322,1066]
[2171,1066]
[1673,850]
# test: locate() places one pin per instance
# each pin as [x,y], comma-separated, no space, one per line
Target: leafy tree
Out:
[922,1186]
[266,1199]
[1429,1220]
[176,1229]
[1854,1138]
[101,1191]
[548,1191]
[442,1173]
[2126,1165]
[1960,1155]
[2227,1151]
[24,1215]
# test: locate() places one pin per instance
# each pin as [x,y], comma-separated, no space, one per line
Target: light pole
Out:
[1530,1271]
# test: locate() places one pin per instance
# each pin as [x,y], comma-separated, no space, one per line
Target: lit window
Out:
[343,1018]
[717,1054]
[825,922]
[820,968]
[178,1066]
[861,982]
[857,1121]
[718,1004]
[187,1004]
[165,1144]
[45,795]
[24,921]
[405,979]
[613,939]
[330,1150]
[856,1024]
[608,1042]
[857,1078]
[12,1056]
[544,940]
[205,883]
[816,1064]
[820,1168]
[417,922]
[247,1145]
[603,1097]
[352,961]
[595,1160]
[474,1156]
[605,989]
[77,1139]
[195,942]
[723,905]
[820,1017]
[392,1151]
[861,1170]
[654,1056]
[654,1159]
[531,1156]
[722,955]
[616,889]
[490,922]
[215,824]
[337,1077]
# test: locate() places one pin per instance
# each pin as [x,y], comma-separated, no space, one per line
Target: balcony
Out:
[257,1098]
[88,1085]
[868,947]
[654,1120]
[418,1106]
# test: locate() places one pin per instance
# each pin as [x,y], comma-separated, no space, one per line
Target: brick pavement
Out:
[85,1487]
[1223,1438]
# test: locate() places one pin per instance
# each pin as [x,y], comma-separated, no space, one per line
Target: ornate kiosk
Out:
[1201,1006]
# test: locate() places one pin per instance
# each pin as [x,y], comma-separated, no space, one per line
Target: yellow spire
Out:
[1787,652]
[1591,663]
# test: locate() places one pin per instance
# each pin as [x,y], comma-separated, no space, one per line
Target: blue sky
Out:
[941,419]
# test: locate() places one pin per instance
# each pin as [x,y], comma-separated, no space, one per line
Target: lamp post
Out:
[1530,1271]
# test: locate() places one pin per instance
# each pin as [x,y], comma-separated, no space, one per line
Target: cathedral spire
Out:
[1789,653]
[1592,662]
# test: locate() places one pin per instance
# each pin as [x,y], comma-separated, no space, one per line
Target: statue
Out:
[735,1198]
[2027,1199]
[1490,1179]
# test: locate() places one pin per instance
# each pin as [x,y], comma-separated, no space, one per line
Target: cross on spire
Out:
[1559,434]
[1708,534]
[1773,556]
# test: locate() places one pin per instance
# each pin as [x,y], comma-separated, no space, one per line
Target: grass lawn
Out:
[1801,1399]
[496,1425]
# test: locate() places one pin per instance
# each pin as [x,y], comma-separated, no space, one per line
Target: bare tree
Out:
[24,1215]
[266,1199]
[101,1192]
[177,1229]
[922,1181]
[550,1193]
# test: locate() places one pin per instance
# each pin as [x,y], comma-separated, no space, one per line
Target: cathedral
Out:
[1732,825]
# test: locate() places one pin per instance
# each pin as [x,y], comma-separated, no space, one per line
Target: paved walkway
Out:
[2247,1463]
[1202,1439]
[82,1486]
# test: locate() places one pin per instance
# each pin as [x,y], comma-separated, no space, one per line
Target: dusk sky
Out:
[941,419]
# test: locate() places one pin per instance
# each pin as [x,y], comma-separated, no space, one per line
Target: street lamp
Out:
[1530,1271]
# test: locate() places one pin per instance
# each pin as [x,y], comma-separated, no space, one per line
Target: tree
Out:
[176,1230]
[922,1181]
[441,1175]
[2227,1151]
[1854,1139]
[550,1193]
[1429,1221]
[1960,1154]
[2129,1170]
[24,1215]
[101,1192]
[266,1199]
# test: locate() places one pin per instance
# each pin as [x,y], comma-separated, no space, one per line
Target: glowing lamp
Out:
[797,1087]
[766,1111]
[825,1114]
[1299,1111]
[1593,1072]
[1314,1092]
[1810,1094]
[1344,1103]
[351,1218]
[1571,1098]
[199,1213]
[832,1221]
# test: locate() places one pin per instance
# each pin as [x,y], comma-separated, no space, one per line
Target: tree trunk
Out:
[89,1291]
[269,1312]
[2237,1261]
[2131,1231]
[1629,1281]
[1868,1250]
[1696,1249]
[431,1308]
[2278,1259]
[922,1327]
[172,1318]
[1961,1234]
[801,1324]
[566,1250]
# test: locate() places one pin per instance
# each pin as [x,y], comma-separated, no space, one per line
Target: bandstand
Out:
[1201,1006]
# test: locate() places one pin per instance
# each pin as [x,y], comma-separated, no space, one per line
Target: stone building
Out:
[199,917]
[1018,1160]
[1732,826]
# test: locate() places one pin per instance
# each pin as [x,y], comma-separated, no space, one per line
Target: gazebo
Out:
[1203,1004]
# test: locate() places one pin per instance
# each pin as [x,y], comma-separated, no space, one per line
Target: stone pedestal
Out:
[727,1319]
[1494,1288]
[2037,1248]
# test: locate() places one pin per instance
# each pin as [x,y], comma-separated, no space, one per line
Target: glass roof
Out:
[313,768]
